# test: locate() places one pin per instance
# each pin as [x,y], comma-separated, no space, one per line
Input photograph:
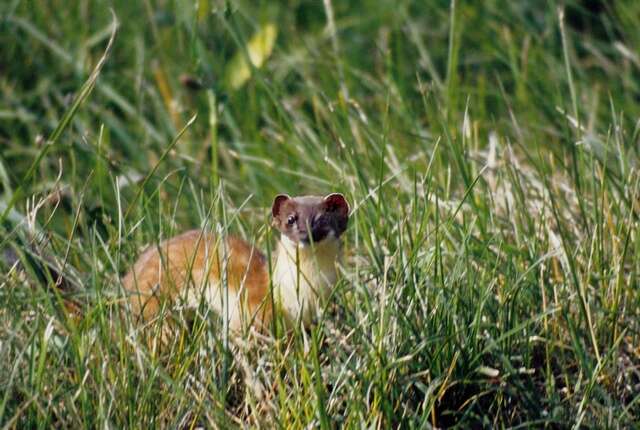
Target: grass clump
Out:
[490,152]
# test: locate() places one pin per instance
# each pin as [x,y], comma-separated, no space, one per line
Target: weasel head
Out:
[310,219]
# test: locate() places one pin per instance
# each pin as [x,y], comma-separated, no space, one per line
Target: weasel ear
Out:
[277,204]
[337,203]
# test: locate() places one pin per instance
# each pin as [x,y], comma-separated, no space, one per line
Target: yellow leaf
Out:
[259,48]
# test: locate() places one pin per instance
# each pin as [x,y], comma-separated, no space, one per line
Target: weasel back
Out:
[197,266]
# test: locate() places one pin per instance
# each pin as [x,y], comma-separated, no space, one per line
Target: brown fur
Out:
[313,217]
[190,266]
[184,261]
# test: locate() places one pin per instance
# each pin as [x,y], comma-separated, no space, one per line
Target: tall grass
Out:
[490,153]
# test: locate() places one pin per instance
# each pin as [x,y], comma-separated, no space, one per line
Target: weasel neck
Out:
[303,277]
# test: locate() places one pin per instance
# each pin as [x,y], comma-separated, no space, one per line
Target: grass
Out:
[490,154]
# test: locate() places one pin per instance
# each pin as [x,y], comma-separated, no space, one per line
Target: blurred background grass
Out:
[490,152]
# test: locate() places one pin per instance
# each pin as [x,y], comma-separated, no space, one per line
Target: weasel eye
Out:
[291,220]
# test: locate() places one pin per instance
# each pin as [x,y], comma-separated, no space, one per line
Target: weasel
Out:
[232,276]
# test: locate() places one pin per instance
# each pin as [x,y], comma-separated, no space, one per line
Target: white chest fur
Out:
[304,276]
